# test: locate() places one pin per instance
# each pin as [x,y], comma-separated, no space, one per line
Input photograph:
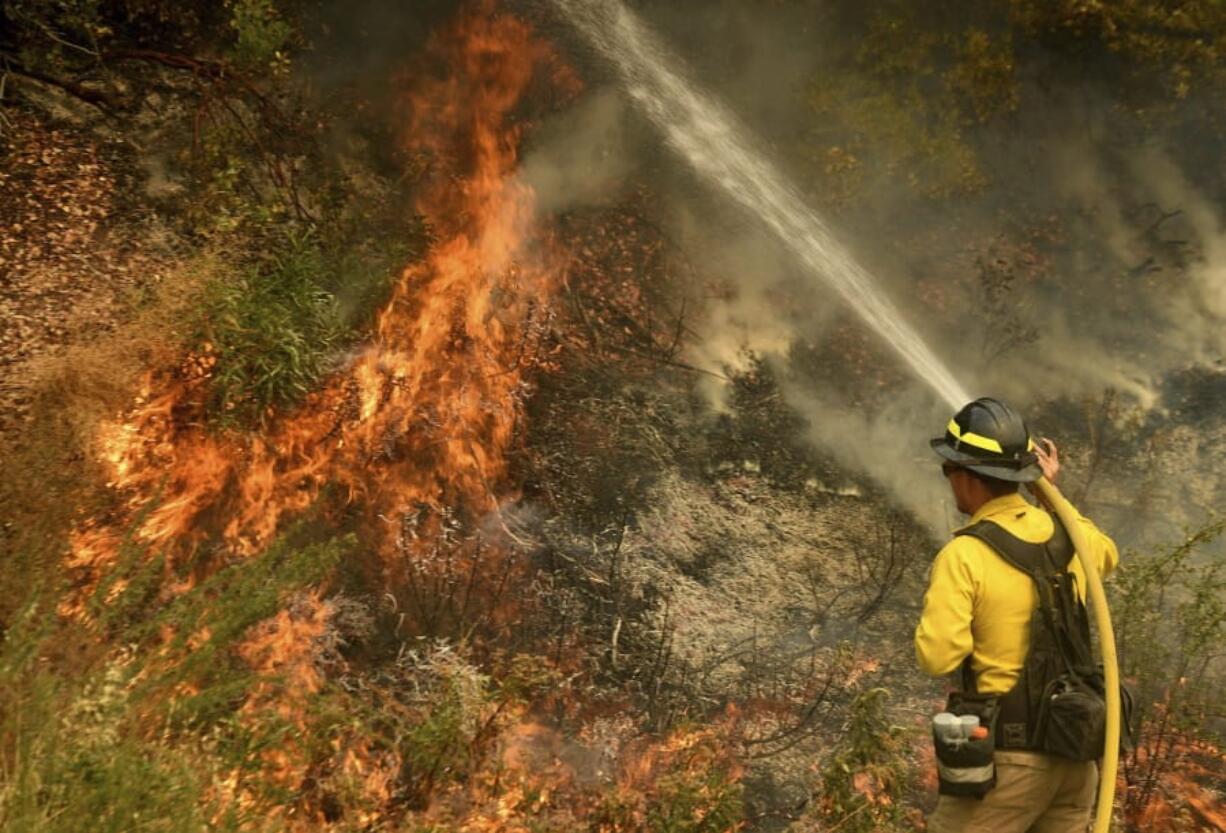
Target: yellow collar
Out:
[1013,502]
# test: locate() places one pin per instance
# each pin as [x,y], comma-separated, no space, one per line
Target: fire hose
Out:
[1106,637]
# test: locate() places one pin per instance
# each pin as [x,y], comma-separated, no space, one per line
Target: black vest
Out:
[1059,630]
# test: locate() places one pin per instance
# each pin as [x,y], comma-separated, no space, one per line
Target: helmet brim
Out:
[1026,474]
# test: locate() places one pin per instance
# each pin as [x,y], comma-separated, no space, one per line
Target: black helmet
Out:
[989,437]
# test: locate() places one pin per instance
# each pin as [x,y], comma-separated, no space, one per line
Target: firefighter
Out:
[977,617]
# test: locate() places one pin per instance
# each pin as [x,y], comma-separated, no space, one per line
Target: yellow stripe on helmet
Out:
[971,438]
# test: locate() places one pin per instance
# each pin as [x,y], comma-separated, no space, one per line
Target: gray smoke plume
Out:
[1129,289]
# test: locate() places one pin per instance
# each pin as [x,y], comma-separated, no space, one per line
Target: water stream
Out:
[722,153]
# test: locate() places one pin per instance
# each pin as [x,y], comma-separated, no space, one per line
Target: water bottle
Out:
[948,727]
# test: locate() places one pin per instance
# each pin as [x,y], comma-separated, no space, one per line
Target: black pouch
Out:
[1072,720]
[1128,730]
[968,768]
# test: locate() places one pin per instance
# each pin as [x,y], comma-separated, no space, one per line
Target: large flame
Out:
[412,433]
[421,419]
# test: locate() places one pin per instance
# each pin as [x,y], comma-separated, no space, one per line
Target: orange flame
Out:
[1186,793]
[423,416]
[414,429]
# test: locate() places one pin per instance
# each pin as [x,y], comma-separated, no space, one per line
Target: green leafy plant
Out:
[262,35]
[224,607]
[71,758]
[136,740]
[272,332]
[50,32]
[1170,613]
[63,783]
[707,801]
[689,784]
[863,781]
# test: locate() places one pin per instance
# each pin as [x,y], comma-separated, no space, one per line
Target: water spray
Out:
[710,139]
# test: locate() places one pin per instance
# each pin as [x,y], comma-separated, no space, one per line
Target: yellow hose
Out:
[1106,636]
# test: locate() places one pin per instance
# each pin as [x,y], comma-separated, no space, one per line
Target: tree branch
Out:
[94,98]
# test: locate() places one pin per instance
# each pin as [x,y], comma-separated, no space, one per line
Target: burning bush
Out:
[863,781]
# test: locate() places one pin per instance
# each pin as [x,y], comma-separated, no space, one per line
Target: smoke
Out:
[888,445]
[1200,310]
[763,306]
[1140,292]
[1127,286]
[583,156]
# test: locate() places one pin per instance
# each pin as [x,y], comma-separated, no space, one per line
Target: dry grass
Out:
[49,465]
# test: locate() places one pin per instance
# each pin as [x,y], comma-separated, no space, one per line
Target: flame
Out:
[284,651]
[422,417]
[413,430]
[1180,797]
[544,779]
[283,646]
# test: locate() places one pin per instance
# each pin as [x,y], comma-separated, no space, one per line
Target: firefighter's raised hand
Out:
[1049,459]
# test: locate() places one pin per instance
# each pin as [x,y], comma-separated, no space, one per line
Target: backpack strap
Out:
[1021,555]
[1047,564]
[1035,560]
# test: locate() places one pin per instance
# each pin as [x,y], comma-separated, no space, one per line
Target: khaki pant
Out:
[1034,793]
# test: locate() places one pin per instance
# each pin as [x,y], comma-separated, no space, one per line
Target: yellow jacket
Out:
[980,605]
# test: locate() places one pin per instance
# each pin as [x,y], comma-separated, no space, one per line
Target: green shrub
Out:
[862,782]
[50,32]
[438,747]
[65,785]
[689,784]
[272,333]
[1169,612]
[70,763]
[224,607]
[529,678]
[702,802]
[138,742]
[262,35]
[425,714]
